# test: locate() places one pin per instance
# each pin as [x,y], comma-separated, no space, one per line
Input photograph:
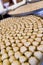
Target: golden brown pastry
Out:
[6,62]
[4,56]
[11,59]
[15,63]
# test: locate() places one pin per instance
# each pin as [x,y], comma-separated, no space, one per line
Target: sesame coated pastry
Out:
[21,40]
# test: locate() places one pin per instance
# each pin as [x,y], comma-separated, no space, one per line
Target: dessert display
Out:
[21,40]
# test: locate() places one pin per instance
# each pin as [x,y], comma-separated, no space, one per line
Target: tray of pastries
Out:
[21,40]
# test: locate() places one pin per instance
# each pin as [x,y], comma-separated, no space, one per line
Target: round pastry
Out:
[38,39]
[6,62]
[19,44]
[22,59]
[16,49]
[32,48]
[3,51]
[23,49]
[17,55]
[13,45]
[33,61]
[28,54]
[15,63]
[3,46]
[40,48]
[35,43]
[8,48]
[38,55]
[27,44]
[11,52]
[11,59]
[7,43]
[4,56]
